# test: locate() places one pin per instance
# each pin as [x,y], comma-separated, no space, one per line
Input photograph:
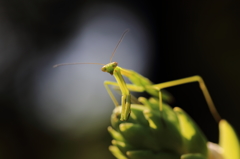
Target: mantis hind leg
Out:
[202,85]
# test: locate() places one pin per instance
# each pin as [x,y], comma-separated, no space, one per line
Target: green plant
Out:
[167,134]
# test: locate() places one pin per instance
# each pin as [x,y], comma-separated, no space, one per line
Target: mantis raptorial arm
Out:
[130,87]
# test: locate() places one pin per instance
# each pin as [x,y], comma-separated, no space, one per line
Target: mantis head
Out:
[109,67]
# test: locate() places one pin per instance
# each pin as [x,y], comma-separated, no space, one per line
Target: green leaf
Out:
[228,141]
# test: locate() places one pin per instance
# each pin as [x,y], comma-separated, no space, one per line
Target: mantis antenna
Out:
[124,33]
[77,63]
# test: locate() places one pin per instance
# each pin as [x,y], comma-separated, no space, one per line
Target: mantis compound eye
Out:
[114,64]
[104,69]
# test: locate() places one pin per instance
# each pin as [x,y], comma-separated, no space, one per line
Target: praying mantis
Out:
[141,84]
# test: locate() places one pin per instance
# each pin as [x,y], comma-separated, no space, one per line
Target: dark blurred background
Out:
[50,113]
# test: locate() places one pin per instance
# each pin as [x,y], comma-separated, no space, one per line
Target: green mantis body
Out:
[138,83]
[141,84]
